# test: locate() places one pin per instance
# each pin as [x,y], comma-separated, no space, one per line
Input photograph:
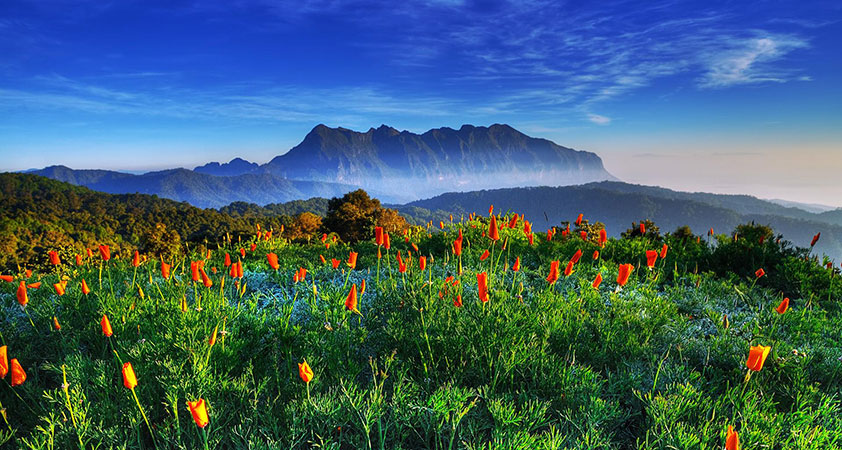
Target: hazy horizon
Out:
[692,96]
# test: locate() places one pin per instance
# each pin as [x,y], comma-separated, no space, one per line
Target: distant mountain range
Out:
[618,205]
[396,166]
[198,189]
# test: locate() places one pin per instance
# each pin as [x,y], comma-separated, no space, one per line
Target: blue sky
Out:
[714,96]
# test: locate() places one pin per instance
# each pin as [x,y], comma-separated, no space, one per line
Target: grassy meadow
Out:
[444,349]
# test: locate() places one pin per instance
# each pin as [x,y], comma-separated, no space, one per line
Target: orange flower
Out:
[351,301]
[334,262]
[194,270]
[531,238]
[59,287]
[759,273]
[756,357]
[18,375]
[273,261]
[4,361]
[253,247]
[36,285]
[362,288]
[569,269]
[527,227]
[516,266]
[205,278]
[595,255]
[302,273]
[89,252]
[664,251]
[323,260]
[484,255]
[651,257]
[242,253]
[105,252]
[513,221]
[815,239]
[136,259]
[165,270]
[783,306]
[732,439]
[491,210]
[199,411]
[56,325]
[387,243]
[54,259]
[576,256]
[553,276]
[603,237]
[106,326]
[227,262]
[401,263]
[129,378]
[458,301]
[85,289]
[378,236]
[305,372]
[597,281]
[482,286]
[422,263]
[642,228]
[623,274]
[352,260]
[493,231]
[457,247]
[23,298]
[579,220]
[78,260]
[7,278]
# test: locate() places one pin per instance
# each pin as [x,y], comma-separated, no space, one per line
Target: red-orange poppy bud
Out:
[759,273]
[815,239]
[227,261]
[458,301]
[362,288]
[603,237]
[205,278]
[59,287]
[54,259]
[165,270]
[56,325]
[212,338]
[663,251]
[756,357]
[493,231]
[7,278]
[422,263]
[4,362]
[783,306]
[199,411]
[273,261]
[129,378]
[624,273]
[387,243]
[136,259]
[18,374]
[484,255]
[553,275]
[305,372]
[732,439]
[85,289]
[22,296]
[106,326]
[105,252]
[352,260]
[36,285]
[302,273]
[482,286]
[579,220]
[351,300]
[651,257]
[597,281]
[569,269]
[378,236]
[576,256]
[642,228]
[334,262]
[516,266]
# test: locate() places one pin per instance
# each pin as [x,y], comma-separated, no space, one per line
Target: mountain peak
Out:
[237,166]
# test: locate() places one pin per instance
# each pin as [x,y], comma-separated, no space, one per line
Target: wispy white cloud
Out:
[750,61]
[598,119]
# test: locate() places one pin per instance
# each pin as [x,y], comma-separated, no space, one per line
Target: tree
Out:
[304,226]
[354,216]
